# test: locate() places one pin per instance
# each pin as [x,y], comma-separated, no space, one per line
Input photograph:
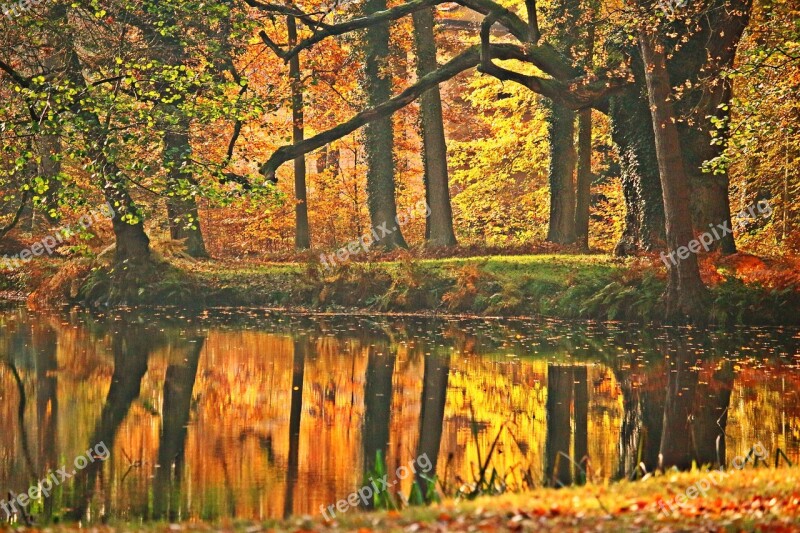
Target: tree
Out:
[685,293]
[379,134]
[302,238]
[439,225]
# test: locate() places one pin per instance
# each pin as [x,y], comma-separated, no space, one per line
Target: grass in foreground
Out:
[749,500]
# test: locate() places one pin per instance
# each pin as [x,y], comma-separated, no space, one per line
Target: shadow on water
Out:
[258,415]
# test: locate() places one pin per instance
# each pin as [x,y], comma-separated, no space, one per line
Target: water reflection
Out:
[260,415]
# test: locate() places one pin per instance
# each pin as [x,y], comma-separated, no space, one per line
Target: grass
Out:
[555,285]
[754,499]
[599,287]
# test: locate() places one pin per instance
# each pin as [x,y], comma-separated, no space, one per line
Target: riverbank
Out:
[762,499]
[743,289]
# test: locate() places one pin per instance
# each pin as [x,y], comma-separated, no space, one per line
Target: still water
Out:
[254,415]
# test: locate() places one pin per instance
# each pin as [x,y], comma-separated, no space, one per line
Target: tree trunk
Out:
[632,132]
[379,135]
[378,409]
[132,243]
[295,416]
[581,410]
[584,180]
[559,428]
[431,417]
[49,148]
[184,222]
[709,51]
[676,441]
[302,236]
[131,348]
[685,290]
[561,132]
[439,225]
[175,413]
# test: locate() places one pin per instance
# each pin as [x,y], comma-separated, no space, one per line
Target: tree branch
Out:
[11,225]
[460,63]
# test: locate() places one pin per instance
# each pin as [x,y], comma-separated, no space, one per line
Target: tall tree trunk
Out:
[131,348]
[632,132]
[561,132]
[642,420]
[676,437]
[132,243]
[49,148]
[559,428]
[378,400]
[175,413]
[295,417]
[583,185]
[431,417]
[583,197]
[709,51]
[711,415]
[581,410]
[685,290]
[439,225]
[184,221]
[379,134]
[302,236]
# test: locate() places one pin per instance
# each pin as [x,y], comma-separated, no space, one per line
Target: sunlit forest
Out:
[400,265]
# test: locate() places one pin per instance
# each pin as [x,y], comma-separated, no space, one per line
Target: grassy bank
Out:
[553,285]
[762,499]
[746,500]
[564,286]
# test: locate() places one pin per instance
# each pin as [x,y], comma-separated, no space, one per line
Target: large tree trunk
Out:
[431,417]
[132,243]
[558,468]
[131,348]
[378,409]
[184,222]
[583,186]
[643,397]
[710,50]
[49,148]
[632,132]
[685,290]
[561,132]
[583,197]
[175,413]
[379,134]
[439,225]
[302,236]
[676,436]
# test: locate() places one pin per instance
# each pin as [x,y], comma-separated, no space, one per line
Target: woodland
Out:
[228,133]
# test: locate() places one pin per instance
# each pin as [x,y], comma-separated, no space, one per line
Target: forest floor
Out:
[762,499]
[743,289]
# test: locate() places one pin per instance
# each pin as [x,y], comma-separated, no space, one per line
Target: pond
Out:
[254,414]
